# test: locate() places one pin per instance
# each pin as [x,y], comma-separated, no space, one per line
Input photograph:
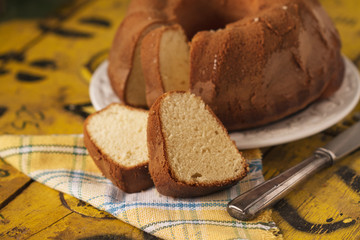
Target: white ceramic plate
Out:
[315,118]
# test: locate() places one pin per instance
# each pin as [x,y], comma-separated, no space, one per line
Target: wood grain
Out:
[40,212]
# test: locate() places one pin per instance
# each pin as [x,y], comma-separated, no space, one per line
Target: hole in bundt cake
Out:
[206,16]
[210,22]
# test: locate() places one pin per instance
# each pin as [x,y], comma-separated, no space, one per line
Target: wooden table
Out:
[45,68]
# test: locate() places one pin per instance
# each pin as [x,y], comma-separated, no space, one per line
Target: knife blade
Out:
[247,205]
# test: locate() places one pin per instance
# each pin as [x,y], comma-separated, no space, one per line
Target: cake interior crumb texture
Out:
[174,60]
[199,149]
[121,133]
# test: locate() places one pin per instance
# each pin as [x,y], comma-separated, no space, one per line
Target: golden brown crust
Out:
[130,180]
[160,170]
[336,76]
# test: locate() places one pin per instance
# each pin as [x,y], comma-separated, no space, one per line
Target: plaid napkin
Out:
[62,163]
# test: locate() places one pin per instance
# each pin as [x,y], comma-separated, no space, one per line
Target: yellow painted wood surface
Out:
[60,53]
[10,181]
[40,212]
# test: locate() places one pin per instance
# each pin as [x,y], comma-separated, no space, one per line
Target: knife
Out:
[247,205]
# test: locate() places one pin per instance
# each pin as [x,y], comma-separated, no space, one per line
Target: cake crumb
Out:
[256,19]
[284,7]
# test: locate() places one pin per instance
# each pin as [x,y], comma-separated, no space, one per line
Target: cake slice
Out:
[125,72]
[165,61]
[116,140]
[190,151]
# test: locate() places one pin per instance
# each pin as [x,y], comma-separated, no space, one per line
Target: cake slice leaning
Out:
[190,151]
[125,72]
[165,56]
[116,140]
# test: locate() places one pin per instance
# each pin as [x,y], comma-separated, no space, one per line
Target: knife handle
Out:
[248,204]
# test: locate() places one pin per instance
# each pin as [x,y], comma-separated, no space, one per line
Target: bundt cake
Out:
[190,151]
[252,61]
[115,138]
